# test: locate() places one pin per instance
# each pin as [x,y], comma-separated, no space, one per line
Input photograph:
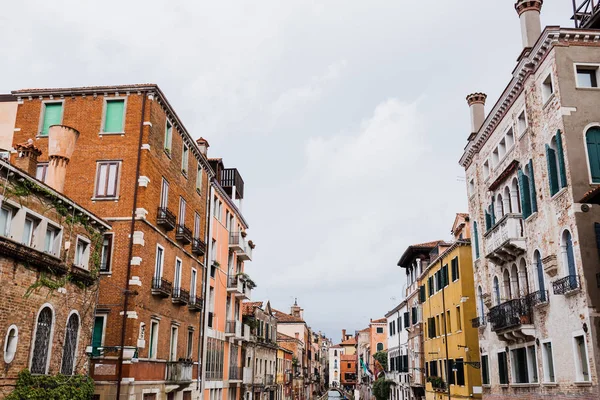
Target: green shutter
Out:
[492,213]
[561,160]
[422,293]
[552,173]
[97,336]
[592,138]
[532,193]
[113,119]
[524,188]
[52,116]
[488,221]
[476,237]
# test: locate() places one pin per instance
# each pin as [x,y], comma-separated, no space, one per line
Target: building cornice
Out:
[229,201]
[528,63]
[455,245]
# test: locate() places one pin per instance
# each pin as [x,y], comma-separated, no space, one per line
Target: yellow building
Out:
[447,294]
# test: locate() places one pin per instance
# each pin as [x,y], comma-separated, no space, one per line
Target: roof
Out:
[417,249]
[379,321]
[281,337]
[249,307]
[459,242]
[395,309]
[337,346]
[510,168]
[286,318]
[591,196]
[348,357]
[349,342]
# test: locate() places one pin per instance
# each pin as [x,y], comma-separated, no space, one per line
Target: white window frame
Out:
[168,147]
[112,242]
[578,372]
[199,179]
[50,339]
[178,268]
[86,254]
[182,210]
[43,113]
[104,317]
[11,214]
[197,222]
[522,131]
[56,246]
[36,222]
[9,354]
[545,362]
[103,121]
[588,66]
[164,194]
[190,343]
[547,96]
[185,159]
[153,340]
[117,183]
[162,261]
[193,283]
[44,167]
[173,343]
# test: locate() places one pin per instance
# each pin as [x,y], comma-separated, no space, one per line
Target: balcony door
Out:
[164,194]
[177,278]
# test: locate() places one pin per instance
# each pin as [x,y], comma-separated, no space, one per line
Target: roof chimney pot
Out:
[476,103]
[531,25]
[61,145]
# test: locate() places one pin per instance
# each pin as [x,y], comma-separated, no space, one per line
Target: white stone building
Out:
[335,353]
[397,344]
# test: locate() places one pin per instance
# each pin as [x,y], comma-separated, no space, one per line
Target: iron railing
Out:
[166,218]
[179,371]
[198,247]
[180,296]
[510,314]
[235,373]
[478,321]
[539,297]
[566,284]
[183,234]
[195,303]
[230,177]
[161,287]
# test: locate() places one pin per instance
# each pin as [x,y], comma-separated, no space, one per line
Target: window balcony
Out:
[236,241]
[198,247]
[504,242]
[166,218]
[180,296]
[478,322]
[161,287]
[183,234]
[179,371]
[195,303]
[513,321]
[566,285]
[233,328]
[235,374]
[536,298]
[235,285]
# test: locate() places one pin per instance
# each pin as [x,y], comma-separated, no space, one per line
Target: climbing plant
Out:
[381,389]
[46,387]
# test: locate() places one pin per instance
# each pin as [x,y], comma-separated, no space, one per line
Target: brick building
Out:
[348,371]
[136,166]
[532,178]
[50,255]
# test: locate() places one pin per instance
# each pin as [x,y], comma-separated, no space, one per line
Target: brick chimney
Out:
[476,103]
[203,145]
[61,145]
[531,25]
[343,335]
[27,155]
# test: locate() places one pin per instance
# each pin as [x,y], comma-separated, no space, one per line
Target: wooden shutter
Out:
[113,119]
[561,160]
[422,294]
[488,221]
[406,320]
[532,193]
[493,214]
[524,188]
[592,139]
[552,173]
[52,116]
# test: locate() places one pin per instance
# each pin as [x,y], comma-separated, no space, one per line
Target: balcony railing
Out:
[269,379]
[179,371]
[478,321]
[233,328]
[166,218]
[161,287]
[198,247]
[195,303]
[236,241]
[183,234]
[180,296]
[510,314]
[539,297]
[230,178]
[235,373]
[567,284]
[235,285]
[504,241]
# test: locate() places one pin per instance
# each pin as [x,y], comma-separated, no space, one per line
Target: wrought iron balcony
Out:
[235,373]
[195,303]
[539,297]
[504,242]
[478,322]
[183,234]
[566,285]
[512,320]
[179,371]
[166,218]
[161,287]
[232,328]
[180,296]
[198,247]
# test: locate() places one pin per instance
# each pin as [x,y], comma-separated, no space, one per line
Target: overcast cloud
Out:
[346,118]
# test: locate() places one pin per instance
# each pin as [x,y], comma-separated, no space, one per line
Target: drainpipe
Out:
[130,251]
[445,330]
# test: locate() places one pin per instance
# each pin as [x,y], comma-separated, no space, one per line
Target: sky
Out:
[345,118]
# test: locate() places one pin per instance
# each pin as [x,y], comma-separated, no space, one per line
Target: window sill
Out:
[559,193]
[111,133]
[168,153]
[40,136]
[105,198]
[549,384]
[582,383]
[524,385]
[548,100]
[531,217]
[105,273]
[587,88]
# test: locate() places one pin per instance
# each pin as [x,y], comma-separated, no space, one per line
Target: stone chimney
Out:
[27,155]
[476,103]
[61,145]
[203,145]
[531,25]
[296,311]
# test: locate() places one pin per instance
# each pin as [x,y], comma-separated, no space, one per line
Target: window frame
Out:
[8,357]
[77,337]
[199,179]
[57,245]
[168,149]
[104,109]
[50,336]
[173,344]
[153,339]
[545,362]
[43,114]
[579,374]
[595,67]
[44,167]
[587,153]
[99,163]
[185,159]
[110,254]
[546,97]
[162,261]
[36,223]
[522,130]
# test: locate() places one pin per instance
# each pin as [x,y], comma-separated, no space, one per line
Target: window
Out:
[177,277]
[190,344]
[522,122]
[153,339]
[52,241]
[40,171]
[581,360]
[485,370]
[458,319]
[51,115]
[43,342]
[97,334]
[569,258]
[196,226]
[173,344]
[70,345]
[495,157]
[379,330]
[532,364]
[502,146]
[556,164]
[459,365]
[471,187]
[107,175]
[486,169]
[158,266]
[168,137]
[527,190]
[547,88]
[519,365]
[6,214]
[476,239]
[182,205]
[537,260]
[548,361]
[592,138]
[105,260]
[448,322]
[587,76]
[164,194]
[193,283]
[497,297]
[114,115]
[379,346]
[82,253]
[199,179]
[185,159]
[502,368]
[455,271]
[10,343]
[28,230]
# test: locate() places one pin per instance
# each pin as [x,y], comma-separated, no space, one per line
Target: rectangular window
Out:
[28,230]
[199,179]
[190,344]
[97,334]
[40,172]
[458,319]
[455,271]
[107,175]
[448,322]
[158,267]
[182,205]
[153,340]
[52,240]
[532,368]
[548,361]
[173,344]
[177,277]
[502,368]
[460,372]
[196,226]
[52,115]
[587,76]
[114,115]
[547,88]
[581,360]
[486,169]
[379,330]
[164,194]
[5,220]
[519,365]
[406,320]
[485,371]
[82,253]
[185,159]
[168,137]
[106,253]
[522,122]
[193,284]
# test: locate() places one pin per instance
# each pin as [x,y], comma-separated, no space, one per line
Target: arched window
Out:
[569,258]
[70,346]
[379,346]
[476,239]
[499,205]
[507,203]
[496,291]
[515,196]
[514,278]
[537,260]
[42,345]
[592,139]
[506,281]
[523,278]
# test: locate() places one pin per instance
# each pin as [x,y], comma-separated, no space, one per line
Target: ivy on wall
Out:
[45,387]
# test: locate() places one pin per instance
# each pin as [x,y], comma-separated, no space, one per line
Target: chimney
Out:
[203,145]
[27,155]
[343,335]
[476,103]
[61,145]
[531,25]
